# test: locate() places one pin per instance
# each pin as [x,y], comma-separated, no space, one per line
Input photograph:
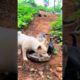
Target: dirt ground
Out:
[51,70]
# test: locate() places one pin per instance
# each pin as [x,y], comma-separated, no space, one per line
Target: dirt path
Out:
[51,70]
[40,24]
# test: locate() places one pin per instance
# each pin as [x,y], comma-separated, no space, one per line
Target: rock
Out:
[59,69]
[47,67]
[51,70]
[32,70]
[19,67]
[49,77]
[41,74]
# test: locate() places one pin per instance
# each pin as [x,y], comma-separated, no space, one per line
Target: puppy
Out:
[31,43]
[42,38]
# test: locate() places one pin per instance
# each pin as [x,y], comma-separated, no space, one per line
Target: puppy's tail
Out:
[19,32]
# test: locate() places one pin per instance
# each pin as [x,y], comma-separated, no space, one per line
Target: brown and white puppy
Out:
[31,43]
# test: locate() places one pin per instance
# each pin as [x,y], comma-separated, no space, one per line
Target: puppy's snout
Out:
[46,55]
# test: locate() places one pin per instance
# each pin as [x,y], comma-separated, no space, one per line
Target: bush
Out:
[25,15]
[26,11]
[51,9]
[57,29]
[58,9]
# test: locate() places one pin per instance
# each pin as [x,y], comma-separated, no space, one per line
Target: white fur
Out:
[19,32]
[42,39]
[31,43]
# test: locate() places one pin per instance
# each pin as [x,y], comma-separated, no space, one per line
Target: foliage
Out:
[27,2]
[43,8]
[58,9]
[57,29]
[55,51]
[32,3]
[25,15]
[28,8]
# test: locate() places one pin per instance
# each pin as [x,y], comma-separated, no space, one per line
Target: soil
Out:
[51,70]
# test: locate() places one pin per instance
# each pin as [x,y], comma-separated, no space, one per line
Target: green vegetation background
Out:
[28,8]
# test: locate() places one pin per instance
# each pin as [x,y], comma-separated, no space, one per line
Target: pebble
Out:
[59,69]
[49,77]
[51,70]
[33,70]
[19,67]
[47,67]
[41,74]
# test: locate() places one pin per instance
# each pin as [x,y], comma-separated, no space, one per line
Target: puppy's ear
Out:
[45,42]
[39,47]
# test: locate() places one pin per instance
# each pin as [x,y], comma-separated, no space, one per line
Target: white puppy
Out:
[31,43]
[42,38]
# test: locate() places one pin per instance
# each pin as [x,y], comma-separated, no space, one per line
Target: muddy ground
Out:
[51,70]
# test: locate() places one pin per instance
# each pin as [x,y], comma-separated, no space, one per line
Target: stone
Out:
[51,69]
[47,67]
[32,70]
[41,74]
[59,69]
[19,67]
[49,77]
